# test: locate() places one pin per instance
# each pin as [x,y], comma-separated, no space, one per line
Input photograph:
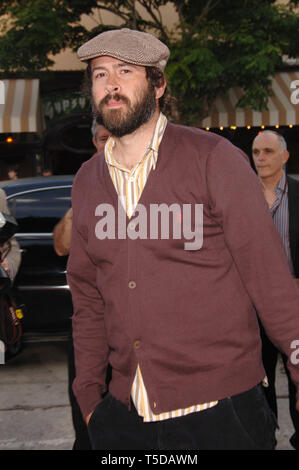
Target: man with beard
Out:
[178,325]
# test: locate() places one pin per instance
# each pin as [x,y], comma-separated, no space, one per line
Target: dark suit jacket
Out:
[293,187]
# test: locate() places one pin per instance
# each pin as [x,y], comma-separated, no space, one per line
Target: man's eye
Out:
[99,75]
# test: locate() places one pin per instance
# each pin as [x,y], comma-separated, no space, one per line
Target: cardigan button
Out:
[132,284]
[137,344]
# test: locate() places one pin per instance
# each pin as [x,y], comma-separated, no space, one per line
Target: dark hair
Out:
[154,75]
[157,78]
[13,168]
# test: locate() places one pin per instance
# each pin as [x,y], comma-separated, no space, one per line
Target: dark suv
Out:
[38,204]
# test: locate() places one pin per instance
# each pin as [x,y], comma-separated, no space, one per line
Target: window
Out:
[38,211]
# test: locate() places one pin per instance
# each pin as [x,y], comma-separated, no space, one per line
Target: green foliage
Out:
[216,44]
[229,43]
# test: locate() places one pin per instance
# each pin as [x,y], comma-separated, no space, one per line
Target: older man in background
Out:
[270,155]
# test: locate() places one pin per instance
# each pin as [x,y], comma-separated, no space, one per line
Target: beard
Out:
[121,122]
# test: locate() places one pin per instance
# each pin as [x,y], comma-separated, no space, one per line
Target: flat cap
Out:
[131,46]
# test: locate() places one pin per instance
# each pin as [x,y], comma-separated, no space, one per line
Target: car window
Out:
[39,211]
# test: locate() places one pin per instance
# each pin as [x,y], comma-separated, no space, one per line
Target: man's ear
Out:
[286,156]
[159,91]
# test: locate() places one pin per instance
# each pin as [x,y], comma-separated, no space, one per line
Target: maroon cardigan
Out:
[189,317]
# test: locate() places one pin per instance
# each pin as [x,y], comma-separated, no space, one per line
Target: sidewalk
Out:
[34,406]
[35,410]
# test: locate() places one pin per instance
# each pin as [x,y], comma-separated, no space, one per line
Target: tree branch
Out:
[159,23]
[210,5]
[115,12]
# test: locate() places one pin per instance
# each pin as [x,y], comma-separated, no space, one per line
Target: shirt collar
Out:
[152,147]
[157,137]
[282,185]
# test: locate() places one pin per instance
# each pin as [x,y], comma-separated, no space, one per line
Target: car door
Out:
[41,280]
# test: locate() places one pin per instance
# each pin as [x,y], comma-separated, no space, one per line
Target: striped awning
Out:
[20,110]
[281,111]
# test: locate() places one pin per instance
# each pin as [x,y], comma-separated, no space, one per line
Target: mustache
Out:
[115,97]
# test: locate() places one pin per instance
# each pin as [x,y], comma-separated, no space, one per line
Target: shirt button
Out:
[137,344]
[155,404]
[132,284]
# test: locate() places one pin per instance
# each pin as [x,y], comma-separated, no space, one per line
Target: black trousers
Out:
[270,357]
[241,422]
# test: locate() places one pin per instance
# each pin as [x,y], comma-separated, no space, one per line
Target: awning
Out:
[281,111]
[21,111]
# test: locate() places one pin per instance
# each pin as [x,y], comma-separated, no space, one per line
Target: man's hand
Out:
[62,234]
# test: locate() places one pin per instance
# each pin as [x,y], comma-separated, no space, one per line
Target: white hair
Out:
[281,139]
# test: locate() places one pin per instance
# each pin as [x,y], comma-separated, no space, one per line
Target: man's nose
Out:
[112,85]
[260,156]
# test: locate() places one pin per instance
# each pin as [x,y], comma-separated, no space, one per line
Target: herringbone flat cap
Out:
[134,47]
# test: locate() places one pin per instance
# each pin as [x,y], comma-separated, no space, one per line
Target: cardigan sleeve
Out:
[89,335]
[238,203]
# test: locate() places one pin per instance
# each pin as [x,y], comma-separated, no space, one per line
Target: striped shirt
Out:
[129,184]
[280,215]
